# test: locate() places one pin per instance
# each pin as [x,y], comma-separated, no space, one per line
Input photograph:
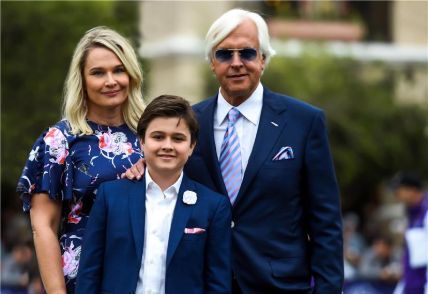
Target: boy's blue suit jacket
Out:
[287,219]
[114,239]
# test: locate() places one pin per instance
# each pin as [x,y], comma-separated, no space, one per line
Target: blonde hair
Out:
[228,22]
[74,106]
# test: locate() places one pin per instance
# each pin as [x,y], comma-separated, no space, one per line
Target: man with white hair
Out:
[270,154]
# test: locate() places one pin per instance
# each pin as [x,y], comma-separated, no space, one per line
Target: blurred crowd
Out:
[386,251]
[373,255]
[373,248]
[19,272]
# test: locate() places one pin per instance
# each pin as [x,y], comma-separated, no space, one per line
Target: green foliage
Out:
[38,39]
[371,136]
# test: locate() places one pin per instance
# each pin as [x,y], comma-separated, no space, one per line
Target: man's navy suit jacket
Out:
[114,241]
[287,220]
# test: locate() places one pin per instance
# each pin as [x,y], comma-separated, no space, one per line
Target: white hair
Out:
[228,22]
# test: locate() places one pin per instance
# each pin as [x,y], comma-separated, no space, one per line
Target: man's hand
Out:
[136,171]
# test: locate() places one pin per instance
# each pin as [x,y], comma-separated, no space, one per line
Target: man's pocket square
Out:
[284,153]
[194,231]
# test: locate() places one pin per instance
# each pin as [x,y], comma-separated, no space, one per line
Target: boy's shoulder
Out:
[119,185]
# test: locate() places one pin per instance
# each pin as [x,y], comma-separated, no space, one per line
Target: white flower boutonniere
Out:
[190,197]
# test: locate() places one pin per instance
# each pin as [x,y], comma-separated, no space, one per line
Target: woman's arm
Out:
[45,217]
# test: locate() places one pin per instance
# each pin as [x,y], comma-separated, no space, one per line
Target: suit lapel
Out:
[271,125]
[137,208]
[207,144]
[182,213]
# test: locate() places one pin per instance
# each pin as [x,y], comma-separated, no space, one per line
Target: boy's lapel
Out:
[137,208]
[182,213]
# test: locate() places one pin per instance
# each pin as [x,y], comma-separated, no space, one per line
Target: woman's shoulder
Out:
[63,125]
[60,130]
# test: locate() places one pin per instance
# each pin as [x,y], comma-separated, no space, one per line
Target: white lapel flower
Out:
[189,197]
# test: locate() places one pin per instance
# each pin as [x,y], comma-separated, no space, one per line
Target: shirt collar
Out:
[171,190]
[250,108]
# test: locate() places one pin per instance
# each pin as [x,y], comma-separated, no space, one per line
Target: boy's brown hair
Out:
[169,106]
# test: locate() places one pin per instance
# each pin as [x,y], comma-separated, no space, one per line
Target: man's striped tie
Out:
[230,157]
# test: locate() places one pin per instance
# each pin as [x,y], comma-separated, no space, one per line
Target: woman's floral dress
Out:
[71,167]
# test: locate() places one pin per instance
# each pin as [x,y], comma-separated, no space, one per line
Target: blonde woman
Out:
[95,142]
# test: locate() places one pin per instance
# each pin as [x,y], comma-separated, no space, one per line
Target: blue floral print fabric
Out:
[70,168]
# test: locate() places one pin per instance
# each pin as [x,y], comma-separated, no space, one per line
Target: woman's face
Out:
[106,81]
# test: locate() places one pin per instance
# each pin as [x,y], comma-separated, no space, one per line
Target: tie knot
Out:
[233,115]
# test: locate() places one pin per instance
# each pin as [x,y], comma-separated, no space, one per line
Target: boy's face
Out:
[167,146]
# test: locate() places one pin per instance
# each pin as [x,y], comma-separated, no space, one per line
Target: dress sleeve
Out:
[47,167]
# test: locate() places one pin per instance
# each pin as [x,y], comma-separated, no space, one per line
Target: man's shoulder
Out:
[289,102]
[274,99]
[200,106]
[269,97]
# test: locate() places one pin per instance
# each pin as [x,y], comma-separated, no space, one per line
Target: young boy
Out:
[166,233]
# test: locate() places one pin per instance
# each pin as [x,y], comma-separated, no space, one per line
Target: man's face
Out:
[239,78]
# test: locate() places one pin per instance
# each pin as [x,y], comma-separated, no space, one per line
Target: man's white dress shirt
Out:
[159,211]
[246,126]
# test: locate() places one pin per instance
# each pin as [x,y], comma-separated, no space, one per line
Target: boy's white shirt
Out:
[159,211]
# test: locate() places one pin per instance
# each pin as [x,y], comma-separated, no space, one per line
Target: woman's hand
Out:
[136,171]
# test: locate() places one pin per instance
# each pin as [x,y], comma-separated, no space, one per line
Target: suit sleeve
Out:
[89,276]
[218,268]
[323,211]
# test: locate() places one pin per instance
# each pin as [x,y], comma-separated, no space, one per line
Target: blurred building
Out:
[395,32]
[173,41]
[410,28]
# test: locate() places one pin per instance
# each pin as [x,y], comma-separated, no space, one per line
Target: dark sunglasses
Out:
[226,55]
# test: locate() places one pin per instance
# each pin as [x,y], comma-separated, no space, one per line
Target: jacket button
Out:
[232,225]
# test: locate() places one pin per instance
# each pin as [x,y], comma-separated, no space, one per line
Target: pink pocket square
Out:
[194,231]
[285,153]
